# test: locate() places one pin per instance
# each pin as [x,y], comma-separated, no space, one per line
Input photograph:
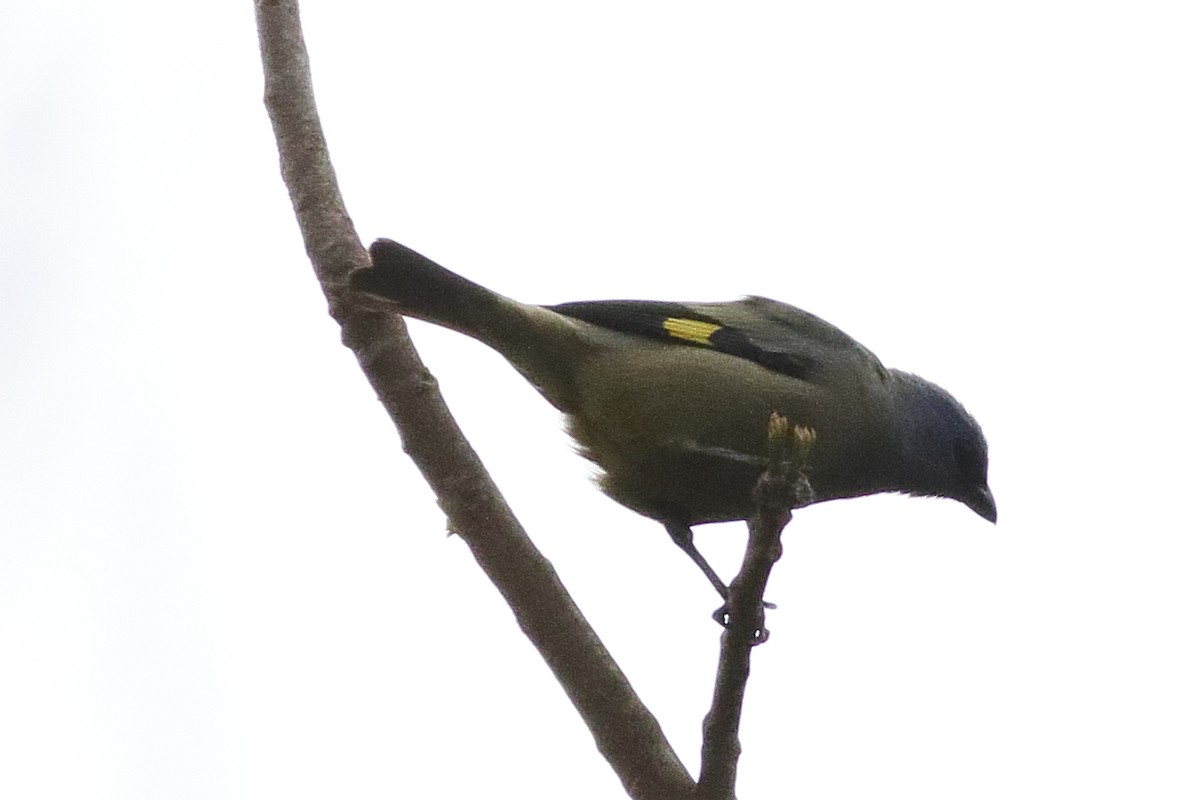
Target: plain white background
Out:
[220,576]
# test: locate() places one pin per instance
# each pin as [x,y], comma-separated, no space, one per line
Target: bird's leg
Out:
[682,536]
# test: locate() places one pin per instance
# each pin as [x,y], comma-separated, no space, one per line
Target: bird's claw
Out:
[761,634]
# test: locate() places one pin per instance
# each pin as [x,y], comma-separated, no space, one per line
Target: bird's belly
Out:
[680,433]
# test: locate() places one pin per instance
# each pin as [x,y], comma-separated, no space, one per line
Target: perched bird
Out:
[671,400]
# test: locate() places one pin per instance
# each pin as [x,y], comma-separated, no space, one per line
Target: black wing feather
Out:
[773,335]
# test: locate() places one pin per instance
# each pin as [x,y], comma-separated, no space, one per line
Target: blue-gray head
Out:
[942,449]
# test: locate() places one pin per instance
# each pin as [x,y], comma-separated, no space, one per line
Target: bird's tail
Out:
[544,346]
[417,287]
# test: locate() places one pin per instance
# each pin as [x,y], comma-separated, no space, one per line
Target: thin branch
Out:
[781,488]
[625,731]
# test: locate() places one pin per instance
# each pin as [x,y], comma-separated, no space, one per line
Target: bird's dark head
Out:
[942,449]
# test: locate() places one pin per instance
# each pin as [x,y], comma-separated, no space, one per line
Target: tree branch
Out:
[781,488]
[625,731]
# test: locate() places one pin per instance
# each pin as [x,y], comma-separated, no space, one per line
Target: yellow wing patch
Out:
[690,330]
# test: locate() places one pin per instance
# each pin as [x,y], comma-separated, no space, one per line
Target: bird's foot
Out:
[723,618]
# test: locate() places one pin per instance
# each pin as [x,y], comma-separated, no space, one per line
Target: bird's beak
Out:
[982,503]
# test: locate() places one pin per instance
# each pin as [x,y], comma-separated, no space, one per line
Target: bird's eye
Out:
[971,461]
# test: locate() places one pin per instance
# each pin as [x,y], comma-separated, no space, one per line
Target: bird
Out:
[671,400]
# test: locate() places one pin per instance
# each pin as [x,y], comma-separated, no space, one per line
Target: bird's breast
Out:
[680,432]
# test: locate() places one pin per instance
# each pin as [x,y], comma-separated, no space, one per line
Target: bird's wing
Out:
[775,335]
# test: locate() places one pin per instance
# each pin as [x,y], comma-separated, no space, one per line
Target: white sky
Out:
[220,576]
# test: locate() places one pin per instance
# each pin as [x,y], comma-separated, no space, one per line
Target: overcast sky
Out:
[220,577]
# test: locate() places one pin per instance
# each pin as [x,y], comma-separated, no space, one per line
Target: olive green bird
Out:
[672,400]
